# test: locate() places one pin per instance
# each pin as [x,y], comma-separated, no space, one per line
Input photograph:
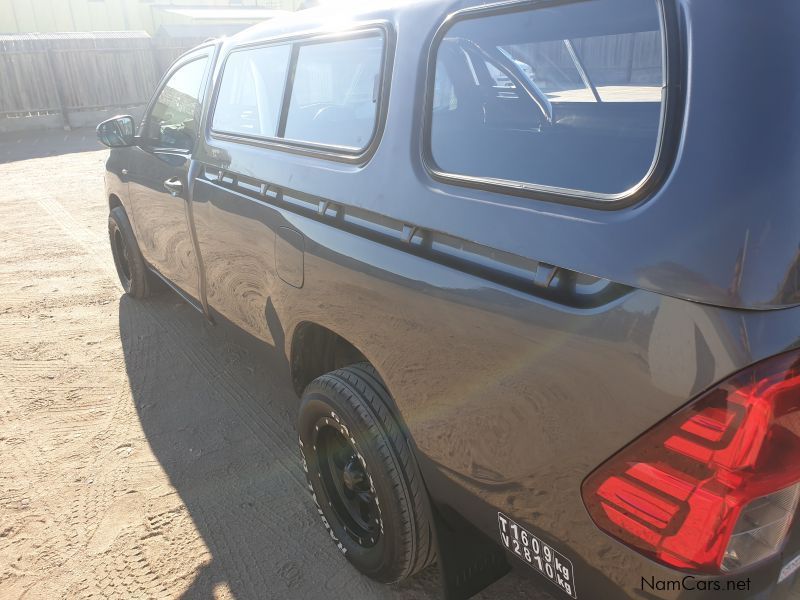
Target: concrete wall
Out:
[78,120]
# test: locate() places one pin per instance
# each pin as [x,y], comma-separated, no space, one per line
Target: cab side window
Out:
[174,118]
[251,92]
[335,93]
[311,92]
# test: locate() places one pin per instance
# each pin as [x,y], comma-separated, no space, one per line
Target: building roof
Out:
[226,13]
[199,30]
[74,35]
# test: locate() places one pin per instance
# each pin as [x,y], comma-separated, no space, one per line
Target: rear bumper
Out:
[605,569]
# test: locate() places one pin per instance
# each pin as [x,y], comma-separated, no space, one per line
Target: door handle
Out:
[173,186]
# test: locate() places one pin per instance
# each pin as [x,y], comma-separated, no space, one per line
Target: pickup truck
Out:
[534,268]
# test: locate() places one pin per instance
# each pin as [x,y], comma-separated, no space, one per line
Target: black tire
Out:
[133,274]
[353,404]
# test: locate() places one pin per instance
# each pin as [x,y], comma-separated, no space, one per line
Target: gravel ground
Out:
[145,454]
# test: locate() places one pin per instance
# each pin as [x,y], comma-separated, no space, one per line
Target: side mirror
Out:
[117,132]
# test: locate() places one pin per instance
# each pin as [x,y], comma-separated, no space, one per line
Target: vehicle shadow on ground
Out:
[25,145]
[218,413]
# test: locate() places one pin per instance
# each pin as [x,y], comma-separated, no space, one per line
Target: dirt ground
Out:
[143,452]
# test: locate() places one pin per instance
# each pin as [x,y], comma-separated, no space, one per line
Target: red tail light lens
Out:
[714,487]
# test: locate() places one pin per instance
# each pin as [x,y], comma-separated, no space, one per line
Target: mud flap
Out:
[468,560]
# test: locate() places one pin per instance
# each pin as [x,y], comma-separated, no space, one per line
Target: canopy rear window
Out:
[566,98]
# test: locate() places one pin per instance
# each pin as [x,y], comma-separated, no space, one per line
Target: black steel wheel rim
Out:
[347,484]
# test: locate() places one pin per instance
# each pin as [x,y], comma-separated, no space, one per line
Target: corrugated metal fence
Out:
[75,79]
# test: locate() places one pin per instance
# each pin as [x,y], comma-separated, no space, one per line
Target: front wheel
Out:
[363,476]
[131,269]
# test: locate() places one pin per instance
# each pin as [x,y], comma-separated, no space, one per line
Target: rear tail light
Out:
[714,487]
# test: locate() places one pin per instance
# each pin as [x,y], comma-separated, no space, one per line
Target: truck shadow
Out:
[218,412]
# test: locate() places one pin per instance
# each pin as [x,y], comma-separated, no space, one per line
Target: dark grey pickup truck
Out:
[534,266]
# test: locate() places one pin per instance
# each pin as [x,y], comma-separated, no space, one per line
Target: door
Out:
[327,96]
[159,174]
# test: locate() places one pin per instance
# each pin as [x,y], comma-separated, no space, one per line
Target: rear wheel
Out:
[133,274]
[363,476]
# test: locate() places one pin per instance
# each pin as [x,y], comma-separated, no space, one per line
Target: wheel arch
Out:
[316,350]
[114,201]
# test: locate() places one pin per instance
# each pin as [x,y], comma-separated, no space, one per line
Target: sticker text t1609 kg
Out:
[527,547]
